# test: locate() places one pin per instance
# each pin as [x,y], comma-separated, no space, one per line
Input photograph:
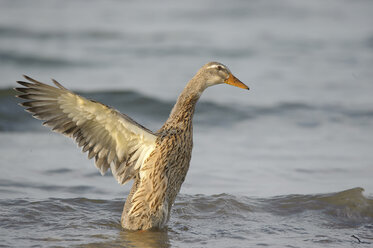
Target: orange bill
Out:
[232,80]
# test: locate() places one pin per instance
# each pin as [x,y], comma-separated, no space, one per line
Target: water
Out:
[239,221]
[283,165]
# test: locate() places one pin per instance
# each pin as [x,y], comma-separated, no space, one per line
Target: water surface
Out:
[287,164]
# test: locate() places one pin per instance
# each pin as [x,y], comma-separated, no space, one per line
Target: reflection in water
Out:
[135,239]
[140,239]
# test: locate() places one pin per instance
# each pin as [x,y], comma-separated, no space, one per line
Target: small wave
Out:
[202,206]
[349,204]
[346,205]
[58,171]
[153,112]
[31,59]
[18,32]
[195,219]
[24,212]
[18,187]
[333,112]
[185,51]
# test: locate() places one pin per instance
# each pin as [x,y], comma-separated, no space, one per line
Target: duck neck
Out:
[183,111]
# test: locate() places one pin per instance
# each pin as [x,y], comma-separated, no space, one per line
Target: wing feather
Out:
[113,139]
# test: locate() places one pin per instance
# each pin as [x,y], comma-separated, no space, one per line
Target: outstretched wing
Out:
[114,139]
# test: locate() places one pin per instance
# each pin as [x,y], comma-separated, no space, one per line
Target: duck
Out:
[157,162]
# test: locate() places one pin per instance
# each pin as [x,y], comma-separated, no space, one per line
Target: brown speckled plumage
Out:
[157,162]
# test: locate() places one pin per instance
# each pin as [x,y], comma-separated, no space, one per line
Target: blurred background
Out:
[305,127]
[309,66]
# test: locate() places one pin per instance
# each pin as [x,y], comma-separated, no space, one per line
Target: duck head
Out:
[217,73]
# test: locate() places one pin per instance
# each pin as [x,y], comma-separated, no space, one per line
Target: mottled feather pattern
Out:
[113,139]
[158,162]
[161,176]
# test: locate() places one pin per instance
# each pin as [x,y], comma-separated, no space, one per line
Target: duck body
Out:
[157,162]
[151,198]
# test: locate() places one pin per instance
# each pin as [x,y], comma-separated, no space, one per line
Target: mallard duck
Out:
[157,162]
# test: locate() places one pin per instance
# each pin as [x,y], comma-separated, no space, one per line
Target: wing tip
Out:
[58,84]
[30,79]
[39,83]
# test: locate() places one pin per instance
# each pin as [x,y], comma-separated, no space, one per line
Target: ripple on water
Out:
[197,220]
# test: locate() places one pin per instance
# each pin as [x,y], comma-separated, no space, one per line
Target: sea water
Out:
[287,164]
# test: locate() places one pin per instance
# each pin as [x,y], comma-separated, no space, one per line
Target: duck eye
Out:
[220,67]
